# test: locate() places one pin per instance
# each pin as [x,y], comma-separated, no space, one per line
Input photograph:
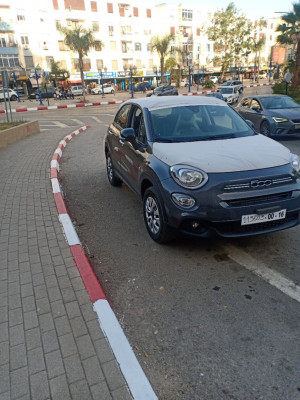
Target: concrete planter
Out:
[16,133]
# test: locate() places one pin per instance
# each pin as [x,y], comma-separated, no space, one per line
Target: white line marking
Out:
[77,121]
[97,120]
[60,124]
[131,369]
[54,164]
[71,234]
[55,185]
[257,267]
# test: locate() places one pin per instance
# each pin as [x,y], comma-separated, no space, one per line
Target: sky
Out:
[251,8]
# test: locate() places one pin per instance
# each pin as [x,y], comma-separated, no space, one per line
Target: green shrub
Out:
[208,84]
[280,88]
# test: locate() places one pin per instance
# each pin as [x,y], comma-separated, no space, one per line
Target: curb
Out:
[135,377]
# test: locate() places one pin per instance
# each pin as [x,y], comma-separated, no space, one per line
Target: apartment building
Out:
[30,36]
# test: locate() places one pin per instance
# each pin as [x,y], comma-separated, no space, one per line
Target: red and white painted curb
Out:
[214,91]
[63,106]
[134,375]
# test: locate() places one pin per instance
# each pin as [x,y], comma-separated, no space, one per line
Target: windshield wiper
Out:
[162,140]
[218,137]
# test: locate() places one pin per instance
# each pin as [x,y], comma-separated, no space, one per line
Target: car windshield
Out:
[197,122]
[226,90]
[159,89]
[277,102]
[226,83]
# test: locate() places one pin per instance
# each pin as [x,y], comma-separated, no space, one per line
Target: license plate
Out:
[297,126]
[258,218]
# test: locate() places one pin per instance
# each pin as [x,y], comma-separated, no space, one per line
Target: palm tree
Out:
[81,41]
[162,46]
[290,34]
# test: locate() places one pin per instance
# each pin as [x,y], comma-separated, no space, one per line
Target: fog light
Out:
[183,200]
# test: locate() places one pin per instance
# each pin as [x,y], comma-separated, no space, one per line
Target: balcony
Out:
[10,50]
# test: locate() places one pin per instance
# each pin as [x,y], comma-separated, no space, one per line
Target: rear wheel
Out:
[112,92]
[265,128]
[113,179]
[154,217]
[13,97]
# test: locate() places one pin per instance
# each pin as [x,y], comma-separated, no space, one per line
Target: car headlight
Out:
[188,177]
[280,119]
[295,163]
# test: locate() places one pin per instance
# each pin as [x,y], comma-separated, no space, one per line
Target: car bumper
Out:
[220,210]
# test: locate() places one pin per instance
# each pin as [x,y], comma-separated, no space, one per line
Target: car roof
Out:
[153,103]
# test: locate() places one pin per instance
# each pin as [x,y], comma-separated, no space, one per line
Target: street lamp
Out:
[37,70]
[132,69]
[101,79]
[155,71]
[197,65]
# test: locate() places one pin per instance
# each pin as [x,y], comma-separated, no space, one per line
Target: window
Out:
[111,30]
[95,25]
[113,45]
[110,8]
[55,4]
[138,47]
[94,6]
[172,30]
[49,61]
[21,17]
[86,64]
[246,103]
[255,104]
[29,62]
[74,5]
[124,47]
[24,40]
[198,32]
[139,64]
[99,64]
[135,12]
[98,45]
[2,42]
[148,13]
[122,11]
[138,125]
[9,61]
[114,64]
[187,15]
[122,116]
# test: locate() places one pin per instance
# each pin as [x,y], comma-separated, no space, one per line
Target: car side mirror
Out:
[257,109]
[250,123]
[128,134]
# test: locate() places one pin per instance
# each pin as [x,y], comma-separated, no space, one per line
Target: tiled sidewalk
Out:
[51,344]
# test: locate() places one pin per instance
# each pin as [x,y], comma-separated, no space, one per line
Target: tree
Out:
[230,32]
[58,73]
[81,41]
[162,45]
[290,35]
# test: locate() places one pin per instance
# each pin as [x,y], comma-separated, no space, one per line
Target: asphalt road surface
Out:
[203,323]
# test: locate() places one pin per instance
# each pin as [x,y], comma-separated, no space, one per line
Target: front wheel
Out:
[154,217]
[112,92]
[13,97]
[112,178]
[265,128]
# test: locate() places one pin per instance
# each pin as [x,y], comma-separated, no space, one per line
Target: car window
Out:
[245,103]
[136,119]
[277,102]
[255,104]
[122,116]
[141,136]
[197,122]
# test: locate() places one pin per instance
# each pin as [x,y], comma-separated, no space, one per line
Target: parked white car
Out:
[107,88]
[214,79]
[11,93]
[77,90]
[230,93]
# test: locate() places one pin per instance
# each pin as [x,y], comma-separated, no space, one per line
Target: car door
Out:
[116,142]
[134,152]
[256,113]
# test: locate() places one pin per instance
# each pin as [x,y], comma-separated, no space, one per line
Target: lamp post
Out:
[132,68]
[198,77]
[16,85]
[189,78]
[155,71]
[36,69]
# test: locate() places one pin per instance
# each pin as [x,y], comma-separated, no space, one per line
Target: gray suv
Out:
[166,90]
[199,168]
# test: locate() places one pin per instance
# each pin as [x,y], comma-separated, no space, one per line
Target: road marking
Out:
[258,268]
[60,124]
[97,120]
[77,121]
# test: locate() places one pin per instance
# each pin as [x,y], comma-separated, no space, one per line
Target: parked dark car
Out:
[35,94]
[166,90]
[217,95]
[142,87]
[271,114]
[200,168]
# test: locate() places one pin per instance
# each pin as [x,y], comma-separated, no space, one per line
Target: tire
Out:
[112,178]
[265,128]
[112,92]
[154,217]
[13,97]
[37,96]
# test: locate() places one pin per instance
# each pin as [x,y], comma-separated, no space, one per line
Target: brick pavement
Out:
[51,344]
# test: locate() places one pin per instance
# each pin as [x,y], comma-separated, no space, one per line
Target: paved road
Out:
[202,325]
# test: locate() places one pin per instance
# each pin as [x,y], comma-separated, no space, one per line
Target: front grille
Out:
[236,227]
[259,200]
[259,183]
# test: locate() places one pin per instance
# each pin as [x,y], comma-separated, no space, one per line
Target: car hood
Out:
[290,113]
[230,155]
